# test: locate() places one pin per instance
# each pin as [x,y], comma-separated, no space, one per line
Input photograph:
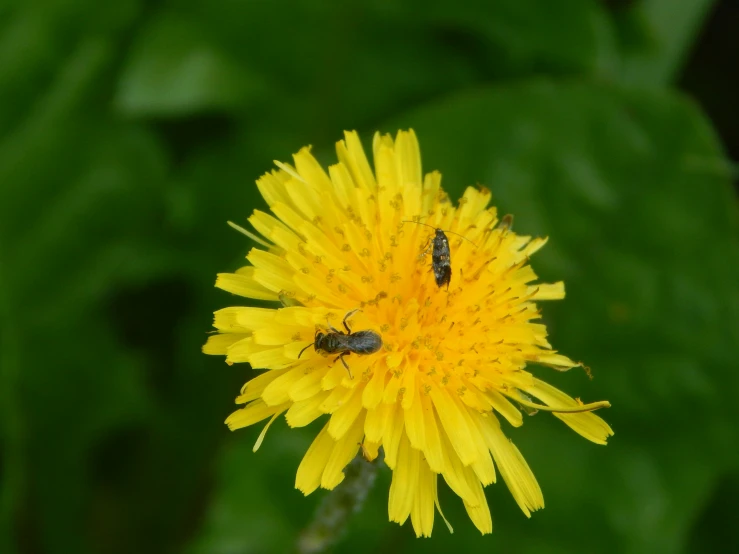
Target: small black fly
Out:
[361,342]
[440,256]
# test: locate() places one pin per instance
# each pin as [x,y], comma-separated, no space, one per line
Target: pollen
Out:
[450,365]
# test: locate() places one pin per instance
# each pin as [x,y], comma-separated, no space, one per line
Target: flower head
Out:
[452,358]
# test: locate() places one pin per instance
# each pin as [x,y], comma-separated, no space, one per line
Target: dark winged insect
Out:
[440,257]
[361,342]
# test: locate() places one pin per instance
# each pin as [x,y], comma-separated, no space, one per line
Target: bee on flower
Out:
[444,367]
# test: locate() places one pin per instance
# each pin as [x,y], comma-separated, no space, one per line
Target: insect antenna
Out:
[306,348]
[419,223]
[437,229]
[465,238]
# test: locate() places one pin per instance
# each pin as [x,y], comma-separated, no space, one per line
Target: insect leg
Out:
[429,244]
[343,361]
[347,316]
[331,327]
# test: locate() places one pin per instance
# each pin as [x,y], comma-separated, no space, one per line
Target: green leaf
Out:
[78,204]
[655,37]
[37,43]
[69,382]
[355,63]
[175,69]
[519,35]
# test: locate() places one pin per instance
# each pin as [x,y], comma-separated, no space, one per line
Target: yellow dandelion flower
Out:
[442,365]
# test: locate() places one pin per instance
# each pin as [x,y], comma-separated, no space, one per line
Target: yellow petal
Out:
[556,361]
[386,170]
[548,291]
[243,286]
[252,413]
[342,184]
[333,377]
[306,411]
[310,170]
[337,398]
[226,319]
[372,394]
[438,506]
[307,386]
[409,387]
[455,473]
[457,394]
[454,424]
[314,462]
[274,334]
[319,243]
[343,452]
[301,316]
[422,513]
[218,344]
[272,272]
[274,230]
[260,439]
[272,358]
[534,246]
[478,509]
[268,263]
[577,408]
[345,416]
[241,351]
[392,436]
[502,405]
[433,450]
[431,189]
[472,203]
[483,464]
[271,186]
[415,426]
[474,399]
[277,392]
[377,421]
[391,389]
[588,425]
[291,171]
[293,220]
[512,466]
[351,154]
[311,204]
[370,450]
[255,318]
[405,482]
[480,516]
[317,287]
[409,160]
[253,389]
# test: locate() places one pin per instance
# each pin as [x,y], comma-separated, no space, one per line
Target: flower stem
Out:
[333,513]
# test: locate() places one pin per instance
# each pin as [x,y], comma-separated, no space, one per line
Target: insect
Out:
[361,342]
[440,256]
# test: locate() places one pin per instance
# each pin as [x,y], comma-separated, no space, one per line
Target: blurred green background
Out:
[131,131]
